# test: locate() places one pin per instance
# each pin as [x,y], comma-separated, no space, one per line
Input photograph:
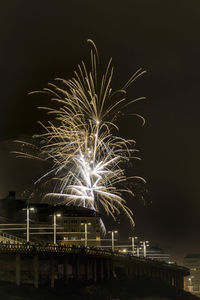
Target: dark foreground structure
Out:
[60,272]
[57,265]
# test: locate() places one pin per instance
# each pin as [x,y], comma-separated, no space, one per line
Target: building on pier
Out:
[74,225]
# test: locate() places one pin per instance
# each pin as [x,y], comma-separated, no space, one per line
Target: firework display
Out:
[81,145]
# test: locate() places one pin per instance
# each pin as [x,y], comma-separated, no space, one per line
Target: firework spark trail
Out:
[86,157]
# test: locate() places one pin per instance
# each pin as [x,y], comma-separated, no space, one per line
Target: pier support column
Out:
[77,269]
[66,271]
[130,270]
[127,270]
[181,282]
[36,271]
[95,270]
[101,270]
[52,272]
[18,269]
[87,269]
[108,269]
[175,280]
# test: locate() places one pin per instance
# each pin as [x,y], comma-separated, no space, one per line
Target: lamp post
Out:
[86,233]
[28,209]
[138,251]
[133,238]
[54,227]
[113,238]
[145,244]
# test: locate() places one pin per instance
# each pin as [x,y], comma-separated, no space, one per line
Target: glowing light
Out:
[85,154]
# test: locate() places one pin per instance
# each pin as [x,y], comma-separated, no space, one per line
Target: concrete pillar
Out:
[87,267]
[139,271]
[77,270]
[175,280]
[112,269]
[131,270]
[18,269]
[136,270]
[66,271]
[127,270]
[165,276]
[181,281]
[101,270]
[94,270]
[108,269]
[36,271]
[161,275]
[169,278]
[157,272]
[52,272]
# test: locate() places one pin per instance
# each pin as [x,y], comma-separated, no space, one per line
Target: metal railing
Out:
[11,237]
[26,248]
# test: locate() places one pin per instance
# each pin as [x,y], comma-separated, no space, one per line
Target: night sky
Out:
[41,40]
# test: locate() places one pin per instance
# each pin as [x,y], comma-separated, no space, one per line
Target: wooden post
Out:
[77,272]
[52,272]
[127,270]
[18,269]
[36,271]
[66,271]
[130,270]
[108,269]
[181,282]
[88,270]
[94,270]
[101,270]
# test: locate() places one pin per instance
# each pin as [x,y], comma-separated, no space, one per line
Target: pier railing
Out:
[54,249]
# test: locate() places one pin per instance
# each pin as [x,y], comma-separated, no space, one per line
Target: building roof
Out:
[70,211]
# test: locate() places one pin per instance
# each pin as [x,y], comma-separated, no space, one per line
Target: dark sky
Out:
[41,40]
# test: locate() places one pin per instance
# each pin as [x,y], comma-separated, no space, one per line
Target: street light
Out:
[113,240]
[28,209]
[133,238]
[86,232]
[54,227]
[138,251]
[145,244]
